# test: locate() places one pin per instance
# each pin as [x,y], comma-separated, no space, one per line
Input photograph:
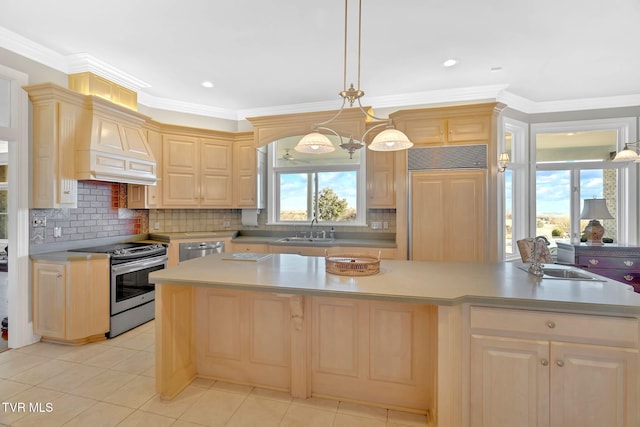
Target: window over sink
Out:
[329,187]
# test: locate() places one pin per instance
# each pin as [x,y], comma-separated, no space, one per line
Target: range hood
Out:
[107,141]
[113,146]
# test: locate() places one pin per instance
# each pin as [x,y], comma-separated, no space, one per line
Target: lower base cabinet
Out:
[381,353]
[540,379]
[71,300]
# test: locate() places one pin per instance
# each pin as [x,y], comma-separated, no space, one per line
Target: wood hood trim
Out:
[110,140]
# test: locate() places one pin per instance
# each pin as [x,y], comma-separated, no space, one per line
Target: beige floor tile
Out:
[55,412]
[69,380]
[8,388]
[111,356]
[146,419]
[151,372]
[151,348]
[203,382]
[81,354]
[46,349]
[348,420]
[271,394]
[213,408]
[19,364]
[100,415]
[407,418]
[136,364]
[102,384]
[43,371]
[299,416]
[256,411]
[177,406]
[133,394]
[182,423]
[137,342]
[360,410]
[318,403]
[233,388]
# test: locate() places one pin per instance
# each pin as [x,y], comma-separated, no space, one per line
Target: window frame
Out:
[273,173]
[627,174]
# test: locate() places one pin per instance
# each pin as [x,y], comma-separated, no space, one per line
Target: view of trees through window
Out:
[327,196]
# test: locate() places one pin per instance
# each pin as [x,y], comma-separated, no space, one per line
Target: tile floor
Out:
[112,383]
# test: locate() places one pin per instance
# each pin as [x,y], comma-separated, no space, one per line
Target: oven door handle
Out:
[138,265]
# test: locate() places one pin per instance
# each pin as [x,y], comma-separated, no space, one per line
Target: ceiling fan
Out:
[289,157]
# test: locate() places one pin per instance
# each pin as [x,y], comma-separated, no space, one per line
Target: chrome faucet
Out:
[311,228]
[539,245]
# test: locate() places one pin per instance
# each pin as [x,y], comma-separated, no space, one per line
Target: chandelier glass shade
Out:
[315,143]
[390,139]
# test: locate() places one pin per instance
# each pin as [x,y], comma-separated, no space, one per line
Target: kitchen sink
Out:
[557,272]
[306,240]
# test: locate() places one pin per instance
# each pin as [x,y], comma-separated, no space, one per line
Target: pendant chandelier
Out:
[390,139]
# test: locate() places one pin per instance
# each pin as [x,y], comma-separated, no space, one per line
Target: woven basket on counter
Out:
[352,264]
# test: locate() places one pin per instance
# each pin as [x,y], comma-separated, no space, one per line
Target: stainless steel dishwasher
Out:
[192,250]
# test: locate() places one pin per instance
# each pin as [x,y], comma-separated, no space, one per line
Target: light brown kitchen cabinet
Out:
[71,300]
[430,127]
[197,172]
[364,350]
[55,129]
[245,172]
[381,188]
[448,211]
[148,196]
[555,367]
[249,247]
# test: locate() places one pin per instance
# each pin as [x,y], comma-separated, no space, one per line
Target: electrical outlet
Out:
[385,225]
[57,231]
[226,223]
[156,225]
[376,225]
[39,222]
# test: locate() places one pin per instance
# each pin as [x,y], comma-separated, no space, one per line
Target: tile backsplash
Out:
[101,212]
[182,220]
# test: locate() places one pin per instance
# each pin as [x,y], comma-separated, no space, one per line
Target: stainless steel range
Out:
[132,296]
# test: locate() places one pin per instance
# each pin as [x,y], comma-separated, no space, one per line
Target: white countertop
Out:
[438,283]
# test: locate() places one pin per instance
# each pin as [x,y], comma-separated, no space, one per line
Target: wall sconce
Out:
[502,161]
[627,154]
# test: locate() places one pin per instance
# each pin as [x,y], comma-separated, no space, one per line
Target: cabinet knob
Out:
[544,362]
[628,263]
[551,324]
[66,192]
[628,277]
[593,261]
[560,363]
[59,275]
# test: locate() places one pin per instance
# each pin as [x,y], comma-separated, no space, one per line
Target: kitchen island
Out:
[454,340]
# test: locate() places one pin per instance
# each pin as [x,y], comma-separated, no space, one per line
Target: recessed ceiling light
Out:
[449,63]
[496,69]
[207,84]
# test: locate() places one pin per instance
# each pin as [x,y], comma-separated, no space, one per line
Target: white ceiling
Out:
[287,55]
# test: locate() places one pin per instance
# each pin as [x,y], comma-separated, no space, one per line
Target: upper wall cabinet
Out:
[55,125]
[210,169]
[149,196]
[448,125]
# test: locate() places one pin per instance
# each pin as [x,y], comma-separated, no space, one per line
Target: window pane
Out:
[508,211]
[575,146]
[337,196]
[600,184]
[295,197]
[553,204]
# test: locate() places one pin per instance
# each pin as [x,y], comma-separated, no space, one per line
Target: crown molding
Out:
[85,62]
[23,46]
[82,62]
